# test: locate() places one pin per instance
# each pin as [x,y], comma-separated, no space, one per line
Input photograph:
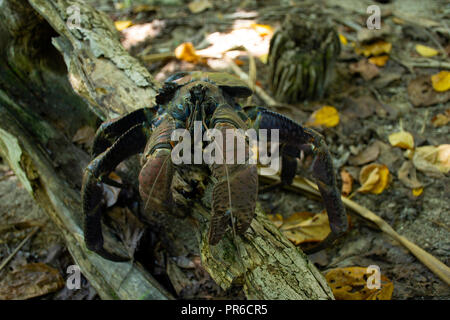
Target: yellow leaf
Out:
[374,49]
[262,29]
[425,51]
[343,39]
[263,58]
[122,25]
[379,61]
[441,81]
[302,227]
[326,116]
[277,219]
[402,139]
[417,191]
[186,52]
[374,178]
[351,284]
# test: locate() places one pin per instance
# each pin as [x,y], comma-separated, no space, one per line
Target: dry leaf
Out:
[373,178]
[198,6]
[263,58]
[402,139]
[441,81]
[110,193]
[186,52]
[351,284]
[407,175]
[422,94]
[262,29]
[347,182]
[367,70]
[122,25]
[374,49]
[369,154]
[441,119]
[417,192]
[379,61]
[85,135]
[425,51]
[277,219]
[302,227]
[343,39]
[326,116]
[29,281]
[432,160]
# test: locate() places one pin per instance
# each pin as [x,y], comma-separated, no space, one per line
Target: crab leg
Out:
[293,138]
[109,131]
[235,192]
[131,142]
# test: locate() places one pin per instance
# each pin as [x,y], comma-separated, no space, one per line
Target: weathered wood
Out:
[112,83]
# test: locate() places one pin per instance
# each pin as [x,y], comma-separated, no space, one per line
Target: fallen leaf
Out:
[326,116]
[303,227]
[379,61]
[262,29]
[425,51]
[432,160]
[85,135]
[366,69]
[422,94]
[29,281]
[110,193]
[351,284]
[369,154]
[373,178]
[402,139]
[374,49]
[347,182]
[263,58]
[343,39]
[441,119]
[441,81]
[277,219]
[122,25]
[186,52]
[417,192]
[407,175]
[198,6]
[444,155]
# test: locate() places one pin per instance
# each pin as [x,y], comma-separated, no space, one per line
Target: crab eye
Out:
[180,107]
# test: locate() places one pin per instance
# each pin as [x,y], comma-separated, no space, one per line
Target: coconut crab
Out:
[185,98]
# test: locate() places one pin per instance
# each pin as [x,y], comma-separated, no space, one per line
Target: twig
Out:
[5,262]
[434,264]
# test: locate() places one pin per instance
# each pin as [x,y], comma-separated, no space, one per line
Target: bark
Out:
[46,66]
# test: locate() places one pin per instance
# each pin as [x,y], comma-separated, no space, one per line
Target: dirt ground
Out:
[369,109]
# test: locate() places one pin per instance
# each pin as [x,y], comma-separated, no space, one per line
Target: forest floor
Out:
[372,101]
